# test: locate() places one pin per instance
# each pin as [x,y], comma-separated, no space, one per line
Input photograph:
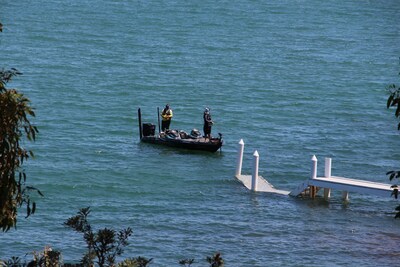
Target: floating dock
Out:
[314,184]
[262,185]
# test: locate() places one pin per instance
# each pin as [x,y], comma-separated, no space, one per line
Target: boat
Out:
[177,138]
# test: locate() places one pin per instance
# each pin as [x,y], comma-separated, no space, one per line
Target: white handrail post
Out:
[314,167]
[328,168]
[240,158]
[254,177]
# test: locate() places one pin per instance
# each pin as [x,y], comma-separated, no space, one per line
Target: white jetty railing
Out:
[254,182]
[311,186]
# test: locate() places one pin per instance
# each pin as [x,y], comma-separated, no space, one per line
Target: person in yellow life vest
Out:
[166,115]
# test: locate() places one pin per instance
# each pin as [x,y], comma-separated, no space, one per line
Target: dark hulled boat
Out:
[179,139]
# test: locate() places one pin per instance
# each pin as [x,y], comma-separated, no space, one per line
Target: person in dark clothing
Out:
[207,123]
[166,115]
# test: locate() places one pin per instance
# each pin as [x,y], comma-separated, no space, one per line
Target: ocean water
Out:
[292,79]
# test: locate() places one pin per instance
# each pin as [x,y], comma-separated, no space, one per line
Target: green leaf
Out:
[389,101]
[397,113]
[40,193]
[33,207]
[28,209]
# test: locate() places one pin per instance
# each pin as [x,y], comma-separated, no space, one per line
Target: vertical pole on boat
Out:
[140,123]
[328,168]
[254,177]
[240,158]
[158,116]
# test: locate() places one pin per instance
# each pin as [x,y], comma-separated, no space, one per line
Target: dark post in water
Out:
[140,123]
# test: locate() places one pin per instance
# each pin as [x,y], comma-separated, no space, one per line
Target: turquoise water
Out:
[291,78]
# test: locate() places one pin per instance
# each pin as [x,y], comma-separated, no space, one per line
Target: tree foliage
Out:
[216,260]
[15,111]
[105,244]
[135,262]
[393,101]
[47,258]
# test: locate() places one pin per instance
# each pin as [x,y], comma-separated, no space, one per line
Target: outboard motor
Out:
[149,129]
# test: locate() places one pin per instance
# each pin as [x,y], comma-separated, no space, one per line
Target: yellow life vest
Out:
[166,115]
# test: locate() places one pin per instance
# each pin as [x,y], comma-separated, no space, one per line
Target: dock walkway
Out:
[263,185]
[311,186]
[352,185]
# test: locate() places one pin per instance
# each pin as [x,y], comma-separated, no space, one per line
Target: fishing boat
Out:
[177,138]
